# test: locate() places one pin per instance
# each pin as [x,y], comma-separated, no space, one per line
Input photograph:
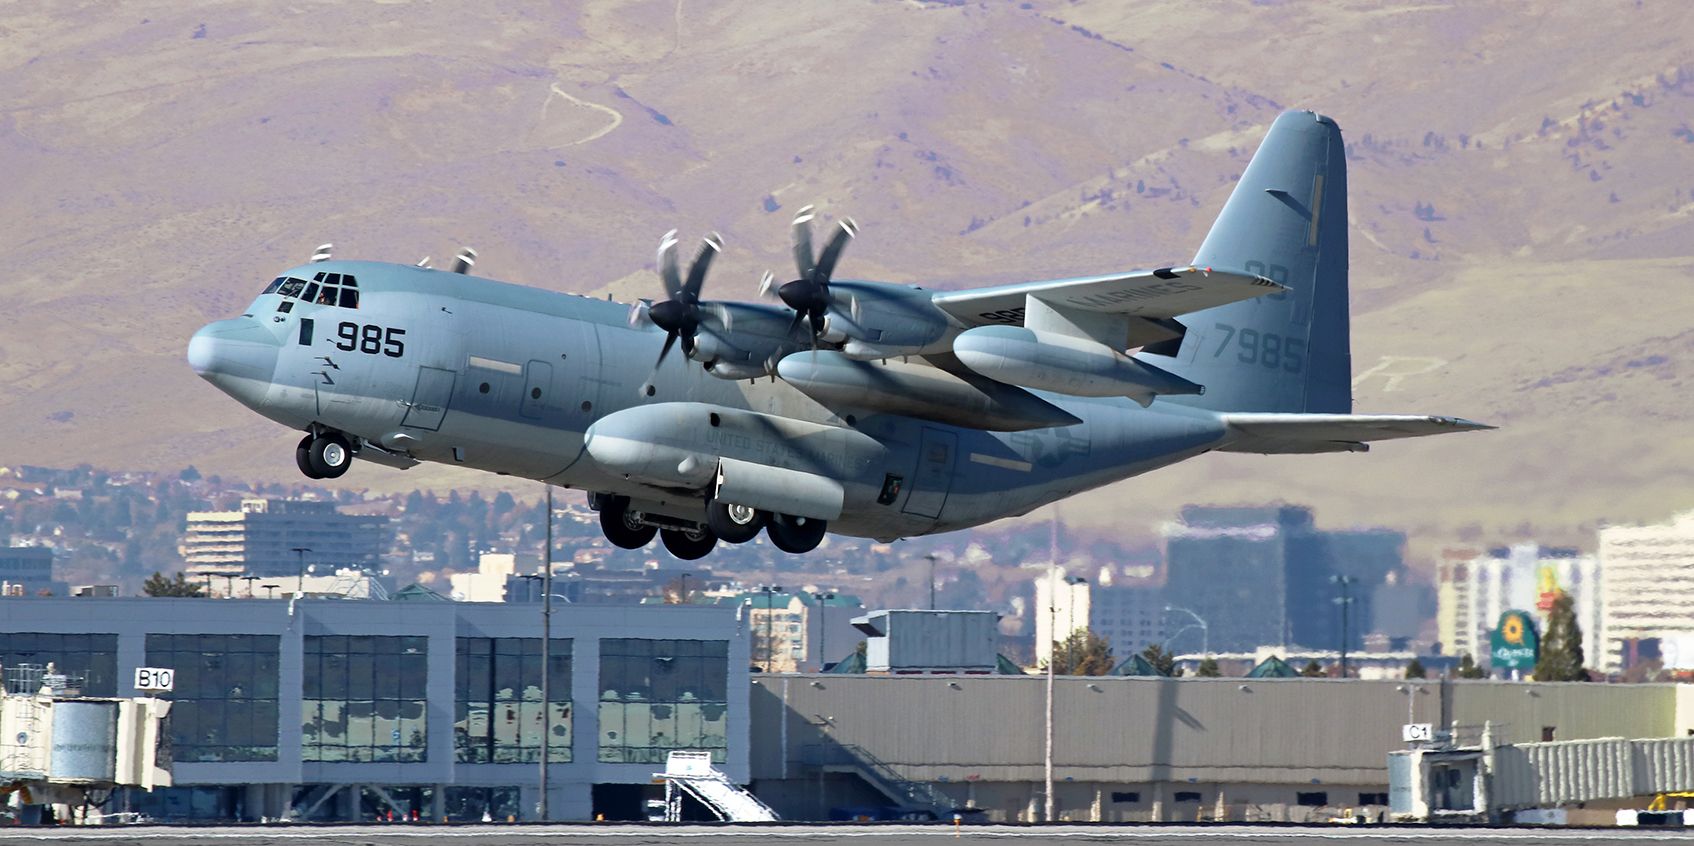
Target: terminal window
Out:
[1187,796]
[659,696]
[364,699]
[1312,799]
[93,658]
[225,697]
[498,714]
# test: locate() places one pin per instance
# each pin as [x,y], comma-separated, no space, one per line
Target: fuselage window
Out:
[291,288]
[275,284]
[329,295]
[311,292]
[349,296]
[348,281]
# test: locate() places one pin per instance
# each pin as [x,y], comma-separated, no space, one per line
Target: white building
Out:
[1473,592]
[488,583]
[266,536]
[1649,591]
[1129,617]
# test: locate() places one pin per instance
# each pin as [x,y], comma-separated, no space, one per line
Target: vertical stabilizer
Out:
[1286,220]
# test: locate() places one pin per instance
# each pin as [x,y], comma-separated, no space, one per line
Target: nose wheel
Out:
[325,456]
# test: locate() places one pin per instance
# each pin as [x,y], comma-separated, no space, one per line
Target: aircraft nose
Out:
[237,349]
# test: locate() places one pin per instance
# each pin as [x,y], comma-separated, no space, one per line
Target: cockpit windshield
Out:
[327,289]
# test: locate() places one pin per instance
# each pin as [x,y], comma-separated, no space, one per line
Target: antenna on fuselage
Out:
[423,262]
[323,253]
[464,261]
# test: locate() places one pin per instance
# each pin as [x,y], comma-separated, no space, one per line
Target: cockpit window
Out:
[329,289]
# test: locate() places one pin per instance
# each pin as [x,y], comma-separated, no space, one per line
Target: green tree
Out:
[1415,670]
[1208,668]
[1468,668]
[158,585]
[1561,647]
[1164,662]
[1312,670]
[1084,653]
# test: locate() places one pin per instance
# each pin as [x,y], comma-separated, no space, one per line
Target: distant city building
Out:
[1648,593]
[25,570]
[488,583]
[1267,574]
[1475,590]
[801,631]
[260,539]
[1129,617]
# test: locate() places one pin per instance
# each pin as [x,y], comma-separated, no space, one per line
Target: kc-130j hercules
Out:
[862,408]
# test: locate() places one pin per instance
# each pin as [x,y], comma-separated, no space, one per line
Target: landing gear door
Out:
[429,399]
[928,491]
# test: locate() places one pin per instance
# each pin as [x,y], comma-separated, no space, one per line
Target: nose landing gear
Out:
[325,456]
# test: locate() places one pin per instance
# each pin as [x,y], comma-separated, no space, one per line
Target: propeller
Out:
[809,295]
[681,312]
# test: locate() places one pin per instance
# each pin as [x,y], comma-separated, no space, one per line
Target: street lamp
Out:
[270,590]
[682,592]
[823,629]
[300,553]
[1344,600]
[770,592]
[1052,656]
[249,580]
[1205,630]
[931,558]
[546,652]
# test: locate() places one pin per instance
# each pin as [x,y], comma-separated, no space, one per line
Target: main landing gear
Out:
[629,528]
[325,456]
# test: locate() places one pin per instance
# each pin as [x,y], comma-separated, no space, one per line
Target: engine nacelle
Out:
[878,320]
[1064,364]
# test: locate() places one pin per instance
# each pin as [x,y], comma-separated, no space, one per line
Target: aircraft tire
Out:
[734,523]
[689,545]
[623,531]
[795,535]
[303,458]
[330,455]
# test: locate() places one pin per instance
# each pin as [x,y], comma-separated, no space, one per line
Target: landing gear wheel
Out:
[329,455]
[691,544]
[621,528]
[796,535]
[303,458]
[734,523]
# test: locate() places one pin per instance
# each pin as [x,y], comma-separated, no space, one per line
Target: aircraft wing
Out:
[1269,433]
[1154,294]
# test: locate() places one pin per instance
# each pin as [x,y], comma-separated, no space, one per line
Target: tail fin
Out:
[1286,220]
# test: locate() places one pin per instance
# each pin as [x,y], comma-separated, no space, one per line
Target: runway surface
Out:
[633,835]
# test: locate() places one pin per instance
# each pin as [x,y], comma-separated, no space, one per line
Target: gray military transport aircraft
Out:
[862,408]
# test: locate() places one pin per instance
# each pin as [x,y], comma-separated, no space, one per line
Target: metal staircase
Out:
[879,774]
[693,773]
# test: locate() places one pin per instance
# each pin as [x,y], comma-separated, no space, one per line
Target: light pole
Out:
[1205,630]
[1070,621]
[1344,600]
[300,554]
[1047,756]
[823,629]
[931,558]
[270,590]
[770,592]
[546,652]
[682,592]
[249,580]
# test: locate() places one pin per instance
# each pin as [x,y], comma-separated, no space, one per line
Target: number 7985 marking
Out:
[1266,349]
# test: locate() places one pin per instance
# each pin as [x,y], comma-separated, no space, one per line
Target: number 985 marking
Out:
[370,339]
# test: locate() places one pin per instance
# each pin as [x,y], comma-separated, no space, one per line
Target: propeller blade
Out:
[801,231]
[668,272]
[710,246]
[670,341]
[464,261]
[638,315]
[767,285]
[799,316]
[832,251]
[721,313]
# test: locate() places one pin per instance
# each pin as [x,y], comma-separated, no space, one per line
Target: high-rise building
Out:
[1475,587]
[797,632]
[260,539]
[1128,617]
[1267,575]
[1648,593]
[25,570]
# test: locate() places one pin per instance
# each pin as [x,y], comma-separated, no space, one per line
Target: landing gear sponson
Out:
[631,528]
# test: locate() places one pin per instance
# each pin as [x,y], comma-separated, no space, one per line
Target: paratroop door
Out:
[928,491]
[429,400]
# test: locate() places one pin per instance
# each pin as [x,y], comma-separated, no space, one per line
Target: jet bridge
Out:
[692,773]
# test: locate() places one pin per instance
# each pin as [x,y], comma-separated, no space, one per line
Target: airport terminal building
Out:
[348,710]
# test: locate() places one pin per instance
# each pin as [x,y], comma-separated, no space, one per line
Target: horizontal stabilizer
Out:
[1272,433]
